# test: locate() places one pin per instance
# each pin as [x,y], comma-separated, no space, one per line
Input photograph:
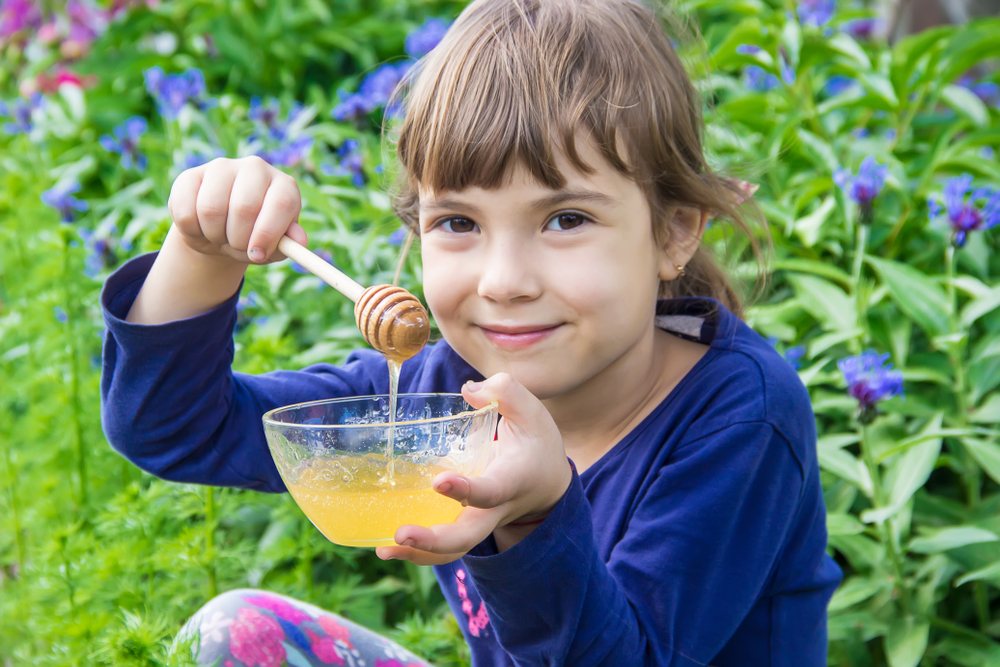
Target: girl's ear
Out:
[687,226]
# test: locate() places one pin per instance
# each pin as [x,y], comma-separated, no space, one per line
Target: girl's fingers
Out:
[281,207]
[182,200]
[517,404]
[470,528]
[415,556]
[492,489]
[249,187]
[212,206]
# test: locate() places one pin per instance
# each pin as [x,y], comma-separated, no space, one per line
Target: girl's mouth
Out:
[517,337]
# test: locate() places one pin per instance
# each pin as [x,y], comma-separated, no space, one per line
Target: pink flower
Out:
[49,83]
[16,15]
[336,630]
[324,648]
[255,639]
[279,607]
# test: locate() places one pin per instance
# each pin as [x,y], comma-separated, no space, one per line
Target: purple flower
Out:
[174,91]
[18,15]
[422,41]
[288,154]
[837,84]
[748,49]
[863,188]
[100,253]
[758,79]
[61,199]
[862,29]
[977,212]
[270,116]
[126,142]
[21,113]
[397,237]
[870,381]
[353,107]
[60,314]
[379,86]
[817,12]
[351,163]
[197,158]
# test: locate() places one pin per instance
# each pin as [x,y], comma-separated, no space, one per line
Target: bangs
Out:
[517,82]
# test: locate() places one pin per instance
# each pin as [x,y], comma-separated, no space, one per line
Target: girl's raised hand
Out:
[236,208]
[523,483]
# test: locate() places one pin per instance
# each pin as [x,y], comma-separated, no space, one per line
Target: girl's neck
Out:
[599,413]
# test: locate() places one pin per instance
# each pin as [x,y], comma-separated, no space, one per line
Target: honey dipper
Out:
[392,320]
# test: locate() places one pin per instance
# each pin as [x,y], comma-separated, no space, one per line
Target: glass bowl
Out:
[332,457]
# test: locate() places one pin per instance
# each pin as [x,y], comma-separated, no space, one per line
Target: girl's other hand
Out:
[523,483]
[236,208]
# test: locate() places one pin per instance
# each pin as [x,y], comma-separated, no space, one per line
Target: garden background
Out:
[877,173]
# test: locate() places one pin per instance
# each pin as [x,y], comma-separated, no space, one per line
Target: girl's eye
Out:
[562,222]
[458,225]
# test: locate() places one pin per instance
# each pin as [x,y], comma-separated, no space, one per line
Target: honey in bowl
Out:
[332,456]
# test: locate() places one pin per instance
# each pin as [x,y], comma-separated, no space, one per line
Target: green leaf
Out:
[854,590]
[980,306]
[845,44]
[880,86]
[916,295]
[822,269]
[967,104]
[990,572]
[988,412]
[821,152]
[846,467]
[951,538]
[826,302]
[906,642]
[808,228]
[909,472]
[987,454]
[843,524]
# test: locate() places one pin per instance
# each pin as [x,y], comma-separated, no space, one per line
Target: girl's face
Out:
[550,286]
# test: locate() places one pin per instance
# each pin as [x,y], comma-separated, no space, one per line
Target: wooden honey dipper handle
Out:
[392,320]
[320,268]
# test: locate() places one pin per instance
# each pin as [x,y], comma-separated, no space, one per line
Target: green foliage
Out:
[101,563]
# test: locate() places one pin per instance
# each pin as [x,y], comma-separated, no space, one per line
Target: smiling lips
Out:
[517,337]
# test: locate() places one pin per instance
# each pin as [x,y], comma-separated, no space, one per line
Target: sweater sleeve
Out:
[700,547]
[172,405]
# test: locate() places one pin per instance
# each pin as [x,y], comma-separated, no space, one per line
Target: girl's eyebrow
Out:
[550,201]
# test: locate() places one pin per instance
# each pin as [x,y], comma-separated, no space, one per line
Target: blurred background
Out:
[871,129]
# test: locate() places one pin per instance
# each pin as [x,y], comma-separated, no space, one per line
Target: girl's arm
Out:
[171,403]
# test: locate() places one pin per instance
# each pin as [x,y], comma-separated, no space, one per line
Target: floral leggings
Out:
[251,628]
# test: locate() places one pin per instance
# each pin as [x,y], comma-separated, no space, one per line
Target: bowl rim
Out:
[267,418]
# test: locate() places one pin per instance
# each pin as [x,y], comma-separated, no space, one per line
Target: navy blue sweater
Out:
[699,539]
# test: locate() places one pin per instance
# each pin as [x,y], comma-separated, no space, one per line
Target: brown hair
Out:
[515,80]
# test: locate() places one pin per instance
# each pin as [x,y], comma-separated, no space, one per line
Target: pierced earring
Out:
[680,270]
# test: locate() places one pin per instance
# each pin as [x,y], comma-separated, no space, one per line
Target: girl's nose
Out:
[508,273]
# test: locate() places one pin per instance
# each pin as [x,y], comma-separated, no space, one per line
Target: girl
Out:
[553,168]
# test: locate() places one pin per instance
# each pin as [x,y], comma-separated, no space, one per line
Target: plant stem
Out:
[972,475]
[74,374]
[887,528]
[859,304]
[213,587]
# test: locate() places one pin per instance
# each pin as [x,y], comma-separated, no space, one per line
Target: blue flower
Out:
[351,163]
[987,91]
[748,49]
[61,199]
[863,188]
[174,91]
[353,107]
[862,29]
[977,212]
[126,142]
[21,113]
[817,12]
[792,355]
[379,86]
[397,237]
[869,380]
[60,314]
[197,158]
[837,84]
[270,117]
[987,153]
[100,253]
[288,154]
[787,71]
[758,79]
[422,41]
